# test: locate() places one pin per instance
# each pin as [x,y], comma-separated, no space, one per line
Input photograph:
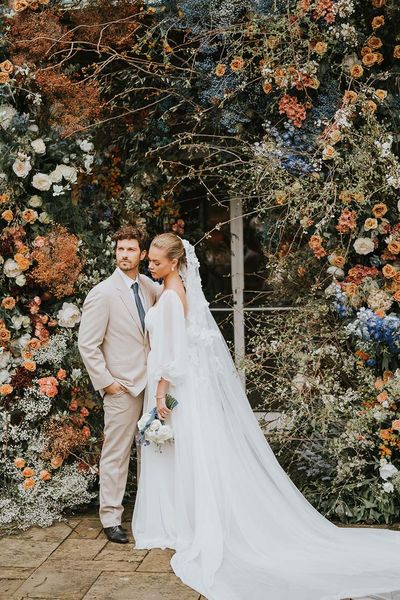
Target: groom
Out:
[113,344]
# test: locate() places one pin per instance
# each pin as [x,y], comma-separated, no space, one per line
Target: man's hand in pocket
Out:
[115,388]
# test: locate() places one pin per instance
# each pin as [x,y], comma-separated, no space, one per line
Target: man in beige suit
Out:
[114,346]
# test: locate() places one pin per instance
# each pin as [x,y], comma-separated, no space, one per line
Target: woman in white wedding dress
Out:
[218,496]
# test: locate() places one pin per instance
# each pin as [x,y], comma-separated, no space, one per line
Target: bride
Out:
[218,496]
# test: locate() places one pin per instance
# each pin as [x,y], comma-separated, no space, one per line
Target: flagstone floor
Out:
[73,560]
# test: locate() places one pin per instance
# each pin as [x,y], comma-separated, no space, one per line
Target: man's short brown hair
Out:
[132,232]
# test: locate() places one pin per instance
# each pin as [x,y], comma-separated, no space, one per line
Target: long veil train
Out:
[244,531]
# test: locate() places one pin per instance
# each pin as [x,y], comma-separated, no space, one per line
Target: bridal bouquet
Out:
[152,429]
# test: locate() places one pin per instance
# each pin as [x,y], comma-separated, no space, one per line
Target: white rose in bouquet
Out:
[5,358]
[20,280]
[4,376]
[156,424]
[69,173]
[388,487]
[69,315]
[6,115]
[11,268]
[387,469]
[39,146]
[41,182]
[21,167]
[85,145]
[364,245]
[35,201]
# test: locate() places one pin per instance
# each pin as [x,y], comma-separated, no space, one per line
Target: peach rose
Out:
[338,261]
[380,209]
[6,66]
[356,71]
[374,42]
[394,247]
[8,303]
[73,405]
[19,463]
[396,296]
[86,431]
[7,215]
[29,365]
[5,335]
[350,97]
[389,271]
[267,87]
[28,472]
[84,411]
[44,475]
[48,386]
[56,462]
[23,262]
[387,375]
[370,224]
[220,70]
[34,344]
[4,78]
[378,383]
[237,63]
[396,52]
[369,59]
[6,389]
[381,94]
[61,374]
[320,48]
[29,483]
[29,215]
[378,22]
[383,396]
[370,107]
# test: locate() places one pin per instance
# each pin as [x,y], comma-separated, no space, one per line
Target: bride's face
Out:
[159,264]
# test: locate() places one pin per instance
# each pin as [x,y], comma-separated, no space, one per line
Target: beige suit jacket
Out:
[111,341]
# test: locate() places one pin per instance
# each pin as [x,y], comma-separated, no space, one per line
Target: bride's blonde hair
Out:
[172,244]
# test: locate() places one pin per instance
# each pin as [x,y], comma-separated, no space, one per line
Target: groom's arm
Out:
[93,325]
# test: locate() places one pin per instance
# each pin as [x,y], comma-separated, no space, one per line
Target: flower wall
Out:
[291,106]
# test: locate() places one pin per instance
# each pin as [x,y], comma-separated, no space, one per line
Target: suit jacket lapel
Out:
[127,298]
[146,291]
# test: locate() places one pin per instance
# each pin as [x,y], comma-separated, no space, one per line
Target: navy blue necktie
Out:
[139,305]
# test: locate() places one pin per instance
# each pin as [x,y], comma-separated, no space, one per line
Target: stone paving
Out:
[73,560]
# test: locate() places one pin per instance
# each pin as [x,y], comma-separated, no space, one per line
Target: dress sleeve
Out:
[169,342]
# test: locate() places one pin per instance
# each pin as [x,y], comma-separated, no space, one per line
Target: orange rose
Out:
[28,472]
[338,261]
[48,386]
[394,247]
[369,59]
[44,475]
[350,97]
[370,224]
[29,365]
[84,411]
[8,303]
[237,63]
[6,66]
[5,335]
[378,383]
[396,296]
[6,389]
[383,396]
[61,374]
[350,289]
[374,42]
[220,70]
[86,431]
[56,462]
[22,261]
[381,94]
[7,215]
[19,463]
[380,209]
[396,424]
[387,375]
[4,77]
[380,313]
[356,71]
[73,405]
[34,344]
[370,106]
[29,215]
[396,52]
[389,271]
[29,483]
[378,22]
[267,87]
[320,48]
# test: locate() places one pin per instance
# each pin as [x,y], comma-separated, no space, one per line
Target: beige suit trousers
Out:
[121,413]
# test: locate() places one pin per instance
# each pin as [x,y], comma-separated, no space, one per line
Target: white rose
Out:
[44,218]
[143,420]
[388,487]
[21,321]
[23,340]
[35,201]
[89,158]
[363,245]
[39,146]
[33,128]
[387,469]
[20,280]
[6,114]
[41,182]
[21,167]
[85,145]
[4,376]
[156,424]
[335,272]
[5,358]
[164,433]
[69,315]
[69,173]
[11,268]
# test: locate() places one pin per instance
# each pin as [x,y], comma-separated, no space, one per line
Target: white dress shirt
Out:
[129,282]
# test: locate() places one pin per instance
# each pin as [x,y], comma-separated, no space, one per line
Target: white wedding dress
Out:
[218,496]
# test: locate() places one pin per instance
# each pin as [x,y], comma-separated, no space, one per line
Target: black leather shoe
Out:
[116,534]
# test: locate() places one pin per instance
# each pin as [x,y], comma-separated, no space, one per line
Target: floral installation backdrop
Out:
[292,106]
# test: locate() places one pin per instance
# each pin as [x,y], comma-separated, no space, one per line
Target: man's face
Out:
[129,255]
